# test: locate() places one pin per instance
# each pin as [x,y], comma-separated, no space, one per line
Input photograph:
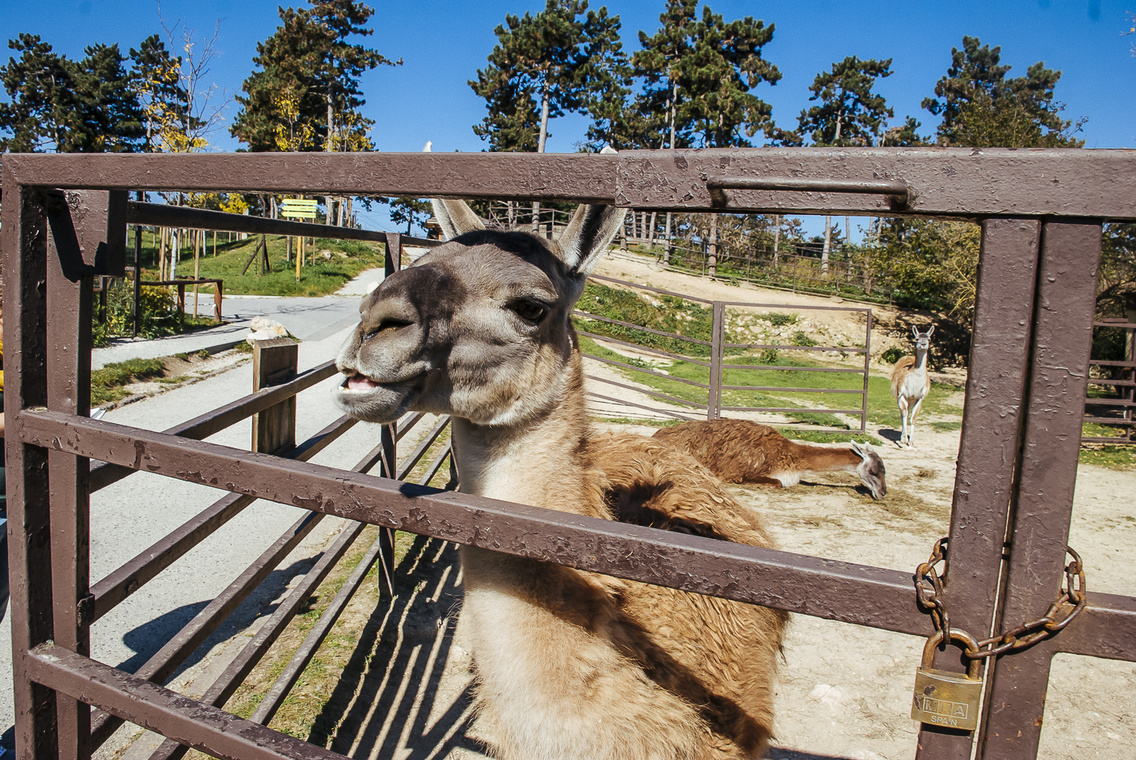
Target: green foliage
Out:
[779,320]
[68,106]
[801,338]
[308,74]
[892,355]
[848,112]
[157,307]
[981,108]
[565,58]
[667,314]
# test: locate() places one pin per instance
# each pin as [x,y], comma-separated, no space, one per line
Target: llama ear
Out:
[589,233]
[863,451]
[455,218]
[930,330]
[915,331]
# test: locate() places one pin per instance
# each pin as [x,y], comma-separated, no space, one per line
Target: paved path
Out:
[130,515]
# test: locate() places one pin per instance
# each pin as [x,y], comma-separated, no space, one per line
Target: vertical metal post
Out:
[388,436]
[717,334]
[867,372]
[24,235]
[274,362]
[1059,370]
[988,448]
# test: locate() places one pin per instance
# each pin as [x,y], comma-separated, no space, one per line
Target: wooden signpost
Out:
[299,208]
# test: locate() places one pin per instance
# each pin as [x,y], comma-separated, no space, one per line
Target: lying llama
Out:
[741,451]
[910,383]
[570,664]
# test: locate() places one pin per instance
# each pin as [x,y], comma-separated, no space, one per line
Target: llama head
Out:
[922,340]
[871,470]
[477,328]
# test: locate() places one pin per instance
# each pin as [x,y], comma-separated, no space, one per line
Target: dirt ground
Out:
[843,692]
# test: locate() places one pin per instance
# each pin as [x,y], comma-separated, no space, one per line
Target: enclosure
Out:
[1040,213]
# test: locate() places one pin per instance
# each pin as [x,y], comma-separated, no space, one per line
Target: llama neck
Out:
[816,458]
[920,362]
[531,461]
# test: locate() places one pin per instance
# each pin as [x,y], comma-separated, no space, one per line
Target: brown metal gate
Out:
[1041,214]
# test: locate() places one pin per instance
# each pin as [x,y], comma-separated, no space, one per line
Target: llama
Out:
[741,451]
[569,664]
[910,383]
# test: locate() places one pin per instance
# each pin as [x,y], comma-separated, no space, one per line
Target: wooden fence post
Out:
[274,361]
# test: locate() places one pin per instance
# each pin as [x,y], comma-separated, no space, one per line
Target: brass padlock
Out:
[943,698]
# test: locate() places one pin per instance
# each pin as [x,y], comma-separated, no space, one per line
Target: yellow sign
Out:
[298,208]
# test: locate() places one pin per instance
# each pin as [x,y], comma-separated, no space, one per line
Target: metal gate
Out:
[1040,211]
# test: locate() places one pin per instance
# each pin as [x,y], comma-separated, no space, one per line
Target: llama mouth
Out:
[359,384]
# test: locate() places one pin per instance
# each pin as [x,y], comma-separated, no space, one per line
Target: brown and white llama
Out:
[743,451]
[570,664]
[910,384]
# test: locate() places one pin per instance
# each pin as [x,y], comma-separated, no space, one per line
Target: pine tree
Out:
[657,63]
[41,94]
[543,66]
[310,65]
[981,108]
[164,99]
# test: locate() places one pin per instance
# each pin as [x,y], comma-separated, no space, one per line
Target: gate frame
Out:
[1040,211]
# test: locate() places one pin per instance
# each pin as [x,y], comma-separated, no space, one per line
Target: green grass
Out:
[1107,455]
[107,383]
[319,276]
[881,405]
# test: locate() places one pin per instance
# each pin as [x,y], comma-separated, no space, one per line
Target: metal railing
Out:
[1040,214]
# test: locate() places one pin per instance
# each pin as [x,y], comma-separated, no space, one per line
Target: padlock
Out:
[943,698]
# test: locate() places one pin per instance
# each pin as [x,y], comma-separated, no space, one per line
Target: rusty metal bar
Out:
[897,190]
[756,575]
[161,215]
[24,244]
[596,318]
[645,349]
[237,670]
[867,370]
[1039,530]
[1106,628]
[953,182]
[287,679]
[130,577]
[988,447]
[645,371]
[222,417]
[76,235]
[186,641]
[156,708]
[621,402]
[652,394]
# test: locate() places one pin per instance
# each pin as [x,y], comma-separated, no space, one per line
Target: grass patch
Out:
[107,383]
[1107,455]
[321,274]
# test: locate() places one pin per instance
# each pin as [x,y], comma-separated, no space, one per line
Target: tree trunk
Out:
[329,147]
[712,260]
[827,244]
[777,242]
[541,138]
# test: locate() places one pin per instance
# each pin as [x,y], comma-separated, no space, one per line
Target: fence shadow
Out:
[400,695]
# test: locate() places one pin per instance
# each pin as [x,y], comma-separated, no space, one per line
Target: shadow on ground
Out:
[395,698]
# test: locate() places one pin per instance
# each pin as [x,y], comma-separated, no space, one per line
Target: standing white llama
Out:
[910,383]
[571,665]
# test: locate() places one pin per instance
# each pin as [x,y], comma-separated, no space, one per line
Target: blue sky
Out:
[442,45]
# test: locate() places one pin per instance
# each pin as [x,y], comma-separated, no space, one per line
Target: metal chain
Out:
[929,593]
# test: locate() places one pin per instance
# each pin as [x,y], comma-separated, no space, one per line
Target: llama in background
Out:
[910,383]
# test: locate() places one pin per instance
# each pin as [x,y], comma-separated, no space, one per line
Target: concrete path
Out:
[127,517]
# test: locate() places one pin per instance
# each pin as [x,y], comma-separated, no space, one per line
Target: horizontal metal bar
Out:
[580,314]
[130,577]
[646,392]
[655,410]
[645,371]
[857,391]
[236,671]
[791,410]
[287,679]
[644,349]
[797,583]
[156,708]
[162,215]
[1105,628]
[895,188]
[205,425]
[786,368]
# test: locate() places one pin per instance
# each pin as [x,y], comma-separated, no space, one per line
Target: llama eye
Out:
[529,310]
[386,324]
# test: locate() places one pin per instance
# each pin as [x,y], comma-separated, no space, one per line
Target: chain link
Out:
[929,593]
